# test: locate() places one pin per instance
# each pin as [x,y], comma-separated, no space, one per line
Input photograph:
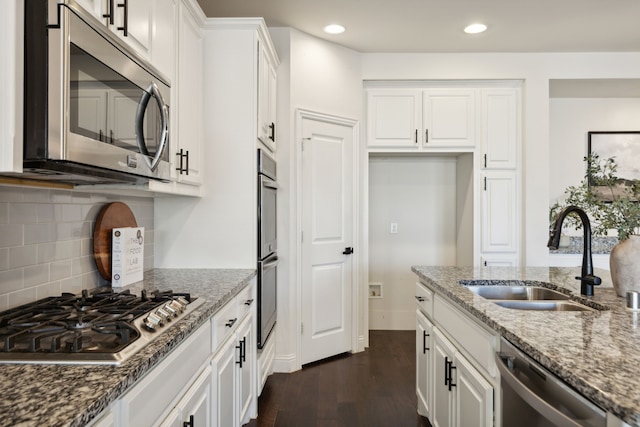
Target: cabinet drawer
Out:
[223,323]
[149,399]
[476,341]
[246,300]
[424,299]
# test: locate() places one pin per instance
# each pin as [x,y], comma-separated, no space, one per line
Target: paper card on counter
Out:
[127,255]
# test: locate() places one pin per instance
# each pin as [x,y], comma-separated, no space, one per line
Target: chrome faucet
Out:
[587,280]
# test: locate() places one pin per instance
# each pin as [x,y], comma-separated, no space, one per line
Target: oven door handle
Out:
[269,263]
[530,397]
[152,90]
[267,182]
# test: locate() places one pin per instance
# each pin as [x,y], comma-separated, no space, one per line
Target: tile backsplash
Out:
[46,241]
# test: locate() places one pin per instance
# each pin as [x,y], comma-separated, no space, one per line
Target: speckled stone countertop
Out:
[596,352]
[599,245]
[72,395]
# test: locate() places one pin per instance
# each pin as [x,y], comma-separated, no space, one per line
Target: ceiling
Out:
[436,25]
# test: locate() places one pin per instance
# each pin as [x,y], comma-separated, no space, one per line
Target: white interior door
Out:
[327,233]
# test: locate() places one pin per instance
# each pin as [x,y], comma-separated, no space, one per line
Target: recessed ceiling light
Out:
[475,28]
[334,29]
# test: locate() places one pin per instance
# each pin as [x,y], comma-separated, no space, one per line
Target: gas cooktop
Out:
[99,327]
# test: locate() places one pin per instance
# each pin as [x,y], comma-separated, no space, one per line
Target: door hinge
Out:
[302,237]
[485,183]
[301,328]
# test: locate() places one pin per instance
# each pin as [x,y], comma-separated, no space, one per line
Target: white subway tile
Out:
[11,235]
[4,259]
[23,256]
[72,284]
[46,213]
[60,196]
[11,280]
[37,233]
[36,275]
[23,296]
[4,212]
[60,269]
[51,289]
[37,195]
[11,194]
[23,213]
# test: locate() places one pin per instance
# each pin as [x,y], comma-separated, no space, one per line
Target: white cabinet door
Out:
[163,38]
[449,118]
[499,210]
[246,369]
[133,23]
[194,409]
[499,260]
[223,393]
[97,8]
[266,99]
[424,371]
[188,143]
[443,398]
[499,128]
[394,118]
[473,395]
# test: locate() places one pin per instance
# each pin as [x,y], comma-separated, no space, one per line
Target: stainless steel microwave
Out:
[94,111]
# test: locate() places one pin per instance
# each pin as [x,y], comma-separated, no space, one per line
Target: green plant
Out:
[610,202]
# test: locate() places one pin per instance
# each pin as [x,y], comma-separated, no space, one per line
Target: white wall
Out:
[570,120]
[419,195]
[535,70]
[318,76]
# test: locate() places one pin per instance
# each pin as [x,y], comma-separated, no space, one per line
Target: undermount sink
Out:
[535,298]
[517,293]
[543,305]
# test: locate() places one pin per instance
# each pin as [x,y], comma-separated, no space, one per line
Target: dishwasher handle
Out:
[543,407]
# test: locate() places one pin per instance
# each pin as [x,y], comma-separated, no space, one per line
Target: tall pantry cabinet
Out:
[459,119]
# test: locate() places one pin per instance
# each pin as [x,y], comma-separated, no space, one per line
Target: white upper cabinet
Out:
[266,97]
[394,118]
[449,118]
[188,144]
[163,37]
[129,19]
[499,128]
[421,119]
[499,201]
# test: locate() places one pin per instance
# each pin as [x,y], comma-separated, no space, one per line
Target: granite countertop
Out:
[72,395]
[596,352]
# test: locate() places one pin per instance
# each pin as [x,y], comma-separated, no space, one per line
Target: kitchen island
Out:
[73,395]
[596,352]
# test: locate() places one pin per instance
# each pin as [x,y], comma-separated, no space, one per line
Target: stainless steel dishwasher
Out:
[534,397]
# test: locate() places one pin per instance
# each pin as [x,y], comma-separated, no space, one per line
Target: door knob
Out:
[348,251]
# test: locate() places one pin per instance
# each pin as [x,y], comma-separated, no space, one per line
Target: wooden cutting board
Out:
[113,215]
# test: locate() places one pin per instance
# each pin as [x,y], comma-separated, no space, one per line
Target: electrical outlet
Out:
[394,228]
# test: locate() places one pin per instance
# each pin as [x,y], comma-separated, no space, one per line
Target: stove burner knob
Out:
[176,306]
[169,309]
[163,314]
[182,301]
[152,321]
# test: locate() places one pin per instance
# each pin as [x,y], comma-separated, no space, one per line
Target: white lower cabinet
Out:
[194,409]
[424,371]
[209,380]
[455,376]
[462,397]
[233,378]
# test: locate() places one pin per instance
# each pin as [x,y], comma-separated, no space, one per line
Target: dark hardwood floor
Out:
[372,388]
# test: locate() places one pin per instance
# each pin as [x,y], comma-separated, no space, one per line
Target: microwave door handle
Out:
[152,90]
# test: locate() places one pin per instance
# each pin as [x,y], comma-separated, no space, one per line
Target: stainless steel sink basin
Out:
[544,305]
[517,293]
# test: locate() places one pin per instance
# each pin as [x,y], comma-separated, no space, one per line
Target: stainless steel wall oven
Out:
[267,246]
[95,112]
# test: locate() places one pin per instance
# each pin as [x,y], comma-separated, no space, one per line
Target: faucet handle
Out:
[590,279]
